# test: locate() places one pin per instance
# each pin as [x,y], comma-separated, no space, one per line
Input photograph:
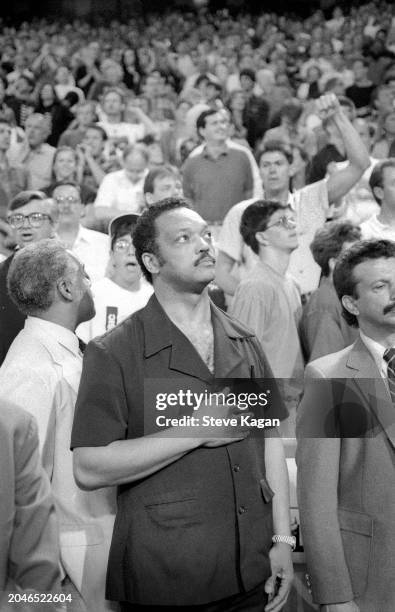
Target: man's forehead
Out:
[270,156]
[371,268]
[64,190]
[172,220]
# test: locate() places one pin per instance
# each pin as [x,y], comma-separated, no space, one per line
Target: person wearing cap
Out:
[33,217]
[124,290]
[89,246]
[256,109]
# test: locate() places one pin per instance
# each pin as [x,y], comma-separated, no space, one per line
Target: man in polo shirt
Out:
[220,176]
[196,513]
[311,204]
[89,246]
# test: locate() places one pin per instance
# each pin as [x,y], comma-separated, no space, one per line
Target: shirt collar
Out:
[290,199]
[159,329]
[225,151]
[56,332]
[376,350]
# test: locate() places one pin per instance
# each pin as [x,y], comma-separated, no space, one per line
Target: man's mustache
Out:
[389,308]
[204,257]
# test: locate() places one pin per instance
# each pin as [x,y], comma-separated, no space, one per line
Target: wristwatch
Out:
[285,539]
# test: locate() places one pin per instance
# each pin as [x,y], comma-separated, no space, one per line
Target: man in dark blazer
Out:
[346,444]
[38,221]
[29,547]
[203,512]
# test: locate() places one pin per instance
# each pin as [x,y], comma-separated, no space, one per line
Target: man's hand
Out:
[348,606]
[327,106]
[220,432]
[282,575]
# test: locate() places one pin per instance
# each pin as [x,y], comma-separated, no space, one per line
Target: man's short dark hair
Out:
[145,233]
[98,128]
[33,274]
[255,219]
[126,228]
[158,173]
[248,73]
[276,146]
[201,120]
[24,197]
[376,178]
[329,239]
[343,274]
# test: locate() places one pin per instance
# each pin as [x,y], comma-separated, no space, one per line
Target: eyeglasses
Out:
[123,245]
[286,222]
[36,219]
[67,200]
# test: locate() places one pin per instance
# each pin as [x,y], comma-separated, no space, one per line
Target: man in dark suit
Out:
[33,217]
[29,547]
[203,519]
[346,443]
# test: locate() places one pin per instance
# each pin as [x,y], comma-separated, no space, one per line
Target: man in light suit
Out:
[41,374]
[29,549]
[346,444]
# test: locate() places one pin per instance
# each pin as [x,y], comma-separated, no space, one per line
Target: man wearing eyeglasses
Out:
[268,300]
[33,217]
[89,246]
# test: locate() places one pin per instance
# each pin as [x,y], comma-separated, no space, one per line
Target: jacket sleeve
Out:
[34,560]
[318,462]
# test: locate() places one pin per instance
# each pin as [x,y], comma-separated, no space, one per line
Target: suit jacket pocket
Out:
[357,535]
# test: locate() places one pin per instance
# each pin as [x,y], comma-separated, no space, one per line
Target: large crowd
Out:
[145,166]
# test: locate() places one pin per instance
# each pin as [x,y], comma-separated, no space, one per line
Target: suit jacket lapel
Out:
[373,387]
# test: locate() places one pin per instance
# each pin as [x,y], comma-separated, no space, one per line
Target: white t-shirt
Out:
[113,304]
[372,228]
[117,191]
[311,207]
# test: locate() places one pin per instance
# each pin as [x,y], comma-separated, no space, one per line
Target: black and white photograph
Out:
[197,306]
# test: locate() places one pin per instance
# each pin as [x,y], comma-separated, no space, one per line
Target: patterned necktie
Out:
[389,357]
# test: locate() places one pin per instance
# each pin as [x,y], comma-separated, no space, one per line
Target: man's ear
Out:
[379,193]
[64,287]
[332,263]
[151,262]
[260,238]
[149,198]
[349,304]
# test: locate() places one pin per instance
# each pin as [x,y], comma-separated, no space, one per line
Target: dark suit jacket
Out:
[29,549]
[199,529]
[346,480]
[11,320]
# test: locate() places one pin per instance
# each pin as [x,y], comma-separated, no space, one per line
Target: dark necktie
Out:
[389,357]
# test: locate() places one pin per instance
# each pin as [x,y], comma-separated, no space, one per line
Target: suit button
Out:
[236,468]
[242,509]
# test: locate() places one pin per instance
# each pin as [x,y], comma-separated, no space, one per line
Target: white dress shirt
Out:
[377,351]
[117,191]
[92,249]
